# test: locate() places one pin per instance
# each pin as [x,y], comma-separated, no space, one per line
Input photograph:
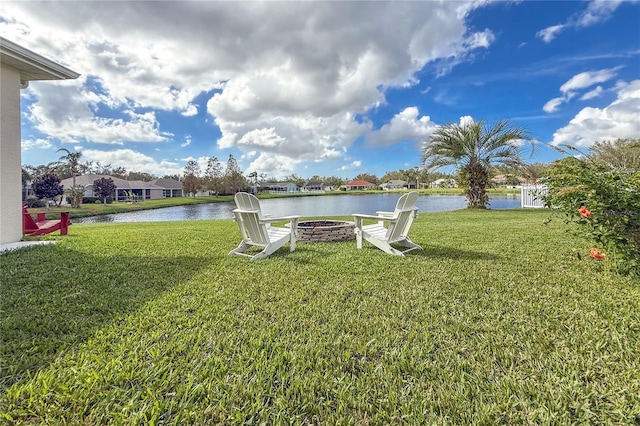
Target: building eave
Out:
[31,65]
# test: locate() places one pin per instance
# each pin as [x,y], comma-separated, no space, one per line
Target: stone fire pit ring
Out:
[325,231]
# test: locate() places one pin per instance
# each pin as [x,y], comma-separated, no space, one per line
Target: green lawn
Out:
[499,320]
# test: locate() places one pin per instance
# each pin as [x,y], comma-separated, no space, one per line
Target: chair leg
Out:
[358,238]
[409,244]
[242,247]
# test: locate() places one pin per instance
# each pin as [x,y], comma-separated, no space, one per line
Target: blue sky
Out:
[320,88]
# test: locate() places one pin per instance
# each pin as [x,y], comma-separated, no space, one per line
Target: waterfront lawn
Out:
[85,210]
[501,319]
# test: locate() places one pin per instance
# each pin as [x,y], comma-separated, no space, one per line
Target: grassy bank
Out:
[497,320]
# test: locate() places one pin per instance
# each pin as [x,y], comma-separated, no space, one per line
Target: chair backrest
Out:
[246,201]
[28,224]
[403,214]
[248,215]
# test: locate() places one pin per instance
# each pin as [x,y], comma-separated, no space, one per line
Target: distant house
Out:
[356,185]
[279,187]
[170,187]
[314,186]
[444,183]
[394,185]
[507,180]
[156,189]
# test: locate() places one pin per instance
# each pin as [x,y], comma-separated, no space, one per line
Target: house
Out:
[279,187]
[356,185]
[170,187]
[18,66]
[507,180]
[314,186]
[394,185]
[444,183]
[127,189]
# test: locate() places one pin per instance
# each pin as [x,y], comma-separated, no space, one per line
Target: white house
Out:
[18,66]
[153,190]
[444,183]
[394,184]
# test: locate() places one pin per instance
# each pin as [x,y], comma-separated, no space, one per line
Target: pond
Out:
[311,206]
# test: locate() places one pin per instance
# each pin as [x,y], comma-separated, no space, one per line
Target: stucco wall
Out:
[10,157]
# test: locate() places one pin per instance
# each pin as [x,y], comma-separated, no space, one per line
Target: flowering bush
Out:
[605,204]
[597,254]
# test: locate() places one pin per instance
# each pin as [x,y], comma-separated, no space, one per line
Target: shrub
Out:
[605,206]
[90,200]
[34,202]
[95,200]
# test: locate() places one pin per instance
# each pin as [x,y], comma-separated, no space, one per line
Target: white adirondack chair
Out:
[256,229]
[399,222]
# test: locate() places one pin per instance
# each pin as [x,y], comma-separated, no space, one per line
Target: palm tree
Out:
[474,147]
[72,161]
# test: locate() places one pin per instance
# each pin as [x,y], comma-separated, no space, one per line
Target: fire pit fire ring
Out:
[324,231]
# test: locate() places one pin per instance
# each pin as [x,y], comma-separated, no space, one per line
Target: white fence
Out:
[531,196]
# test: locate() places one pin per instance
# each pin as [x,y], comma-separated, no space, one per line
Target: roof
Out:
[167,183]
[87,180]
[359,183]
[31,65]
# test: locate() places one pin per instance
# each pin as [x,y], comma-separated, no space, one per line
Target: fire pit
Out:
[323,231]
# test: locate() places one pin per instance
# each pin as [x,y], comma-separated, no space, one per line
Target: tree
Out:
[333,181]
[191,183]
[534,172]
[294,178]
[368,177]
[474,147]
[47,187]
[395,175]
[69,163]
[213,175]
[145,177]
[234,181]
[104,188]
[254,177]
[174,177]
[619,155]
[26,179]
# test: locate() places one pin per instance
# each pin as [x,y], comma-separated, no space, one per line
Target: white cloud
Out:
[588,79]
[580,81]
[133,161]
[187,141]
[549,33]
[617,120]
[37,143]
[597,11]
[288,78]
[356,164]
[592,94]
[553,104]
[404,126]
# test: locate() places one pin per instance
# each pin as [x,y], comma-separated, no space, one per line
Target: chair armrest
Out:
[279,219]
[371,216]
[384,213]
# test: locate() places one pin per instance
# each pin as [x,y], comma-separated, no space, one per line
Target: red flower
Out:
[597,254]
[584,212]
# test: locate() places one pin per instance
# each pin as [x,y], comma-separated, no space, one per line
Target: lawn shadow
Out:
[54,299]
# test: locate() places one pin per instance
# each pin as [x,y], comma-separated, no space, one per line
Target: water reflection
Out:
[311,206]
